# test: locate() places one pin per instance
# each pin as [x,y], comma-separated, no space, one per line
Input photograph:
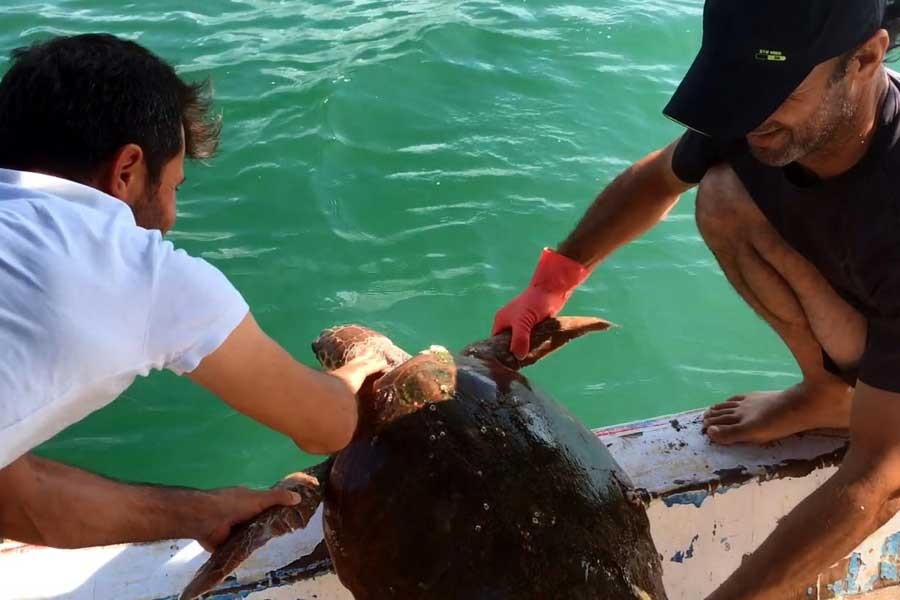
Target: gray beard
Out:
[817,135]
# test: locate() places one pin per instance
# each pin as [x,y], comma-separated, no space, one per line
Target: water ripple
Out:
[393,161]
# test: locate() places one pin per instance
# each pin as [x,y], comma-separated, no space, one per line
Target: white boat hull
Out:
[708,507]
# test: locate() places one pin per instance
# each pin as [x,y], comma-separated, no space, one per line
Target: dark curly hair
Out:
[69,103]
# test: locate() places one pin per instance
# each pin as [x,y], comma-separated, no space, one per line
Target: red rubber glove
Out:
[553,282]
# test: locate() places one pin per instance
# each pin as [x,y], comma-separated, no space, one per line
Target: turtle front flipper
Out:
[546,337]
[255,533]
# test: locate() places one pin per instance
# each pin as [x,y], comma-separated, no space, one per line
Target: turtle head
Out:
[546,337]
[426,379]
[337,346]
[408,386]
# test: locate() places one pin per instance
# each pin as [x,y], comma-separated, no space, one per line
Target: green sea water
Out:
[401,164]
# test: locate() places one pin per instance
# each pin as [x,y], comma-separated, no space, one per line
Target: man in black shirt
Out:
[794,139]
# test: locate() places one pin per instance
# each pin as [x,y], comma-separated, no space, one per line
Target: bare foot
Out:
[763,417]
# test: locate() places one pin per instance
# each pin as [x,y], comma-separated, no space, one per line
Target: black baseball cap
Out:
[755,53]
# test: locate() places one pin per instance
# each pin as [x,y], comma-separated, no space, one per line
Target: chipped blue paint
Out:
[224,595]
[680,557]
[890,553]
[891,546]
[848,585]
[695,498]
[242,595]
[231,589]
[888,571]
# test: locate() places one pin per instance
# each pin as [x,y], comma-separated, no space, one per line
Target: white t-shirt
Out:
[89,301]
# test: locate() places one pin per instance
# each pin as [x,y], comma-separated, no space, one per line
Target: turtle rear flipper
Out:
[251,535]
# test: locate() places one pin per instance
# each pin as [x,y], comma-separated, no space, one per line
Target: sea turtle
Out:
[464,482]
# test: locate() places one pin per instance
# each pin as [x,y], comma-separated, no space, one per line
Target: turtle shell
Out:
[473,484]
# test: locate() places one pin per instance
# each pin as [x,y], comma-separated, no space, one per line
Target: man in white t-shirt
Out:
[93,135]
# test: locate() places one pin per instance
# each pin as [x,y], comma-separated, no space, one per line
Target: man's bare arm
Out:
[838,516]
[50,504]
[633,203]
[256,376]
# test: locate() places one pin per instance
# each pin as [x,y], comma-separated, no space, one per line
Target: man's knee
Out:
[724,206]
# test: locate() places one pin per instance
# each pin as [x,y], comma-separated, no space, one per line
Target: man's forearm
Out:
[633,203]
[821,530]
[259,378]
[64,507]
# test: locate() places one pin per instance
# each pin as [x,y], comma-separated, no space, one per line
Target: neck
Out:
[852,142]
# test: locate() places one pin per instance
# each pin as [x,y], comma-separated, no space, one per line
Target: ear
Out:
[870,56]
[126,175]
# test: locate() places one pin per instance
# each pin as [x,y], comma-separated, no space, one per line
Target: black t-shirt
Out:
[848,226]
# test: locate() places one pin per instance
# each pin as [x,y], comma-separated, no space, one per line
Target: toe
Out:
[729,418]
[715,413]
[728,404]
[724,434]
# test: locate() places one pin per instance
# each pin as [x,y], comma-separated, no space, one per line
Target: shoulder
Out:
[888,134]
[695,154]
[52,224]
[193,307]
